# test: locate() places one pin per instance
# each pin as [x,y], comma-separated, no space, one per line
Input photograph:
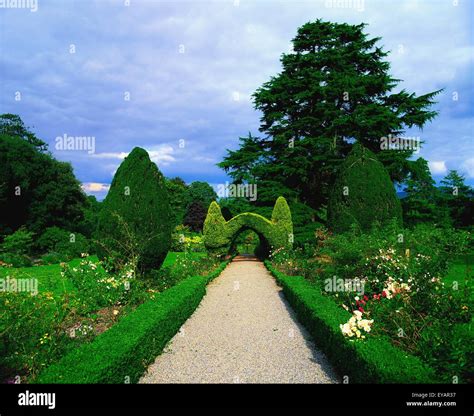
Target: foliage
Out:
[201,192]
[124,352]
[20,242]
[219,233]
[374,360]
[68,245]
[195,216]
[362,193]
[421,205]
[12,125]
[32,332]
[97,288]
[36,190]
[333,88]
[135,216]
[183,239]
[178,196]
[458,198]
[403,291]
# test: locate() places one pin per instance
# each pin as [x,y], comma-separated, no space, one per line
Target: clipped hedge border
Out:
[128,347]
[374,360]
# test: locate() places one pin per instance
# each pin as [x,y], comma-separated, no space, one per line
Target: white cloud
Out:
[468,167]
[95,187]
[438,167]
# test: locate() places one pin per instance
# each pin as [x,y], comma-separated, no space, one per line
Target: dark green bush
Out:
[374,360]
[362,193]
[134,222]
[65,243]
[123,352]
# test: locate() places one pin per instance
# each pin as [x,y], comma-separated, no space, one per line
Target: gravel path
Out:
[242,332]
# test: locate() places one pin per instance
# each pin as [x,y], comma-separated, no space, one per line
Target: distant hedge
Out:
[126,349]
[219,233]
[373,360]
[135,215]
[363,193]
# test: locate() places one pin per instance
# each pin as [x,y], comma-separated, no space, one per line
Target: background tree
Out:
[420,204]
[12,125]
[334,89]
[458,198]
[36,190]
[178,195]
[195,216]
[202,192]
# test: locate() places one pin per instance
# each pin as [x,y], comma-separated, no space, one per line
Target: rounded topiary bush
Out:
[362,194]
[134,223]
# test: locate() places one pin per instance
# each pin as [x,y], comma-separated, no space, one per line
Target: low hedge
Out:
[126,349]
[373,360]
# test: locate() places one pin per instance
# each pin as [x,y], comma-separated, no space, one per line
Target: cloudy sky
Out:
[176,77]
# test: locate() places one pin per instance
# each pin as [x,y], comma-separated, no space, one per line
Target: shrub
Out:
[19,243]
[68,245]
[123,352]
[373,360]
[135,217]
[31,332]
[15,260]
[362,193]
[96,288]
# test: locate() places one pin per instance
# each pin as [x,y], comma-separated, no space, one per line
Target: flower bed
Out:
[122,354]
[373,360]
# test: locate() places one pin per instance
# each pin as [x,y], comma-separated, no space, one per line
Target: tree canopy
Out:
[335,88]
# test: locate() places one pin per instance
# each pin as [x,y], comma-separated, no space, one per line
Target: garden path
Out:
[243,331]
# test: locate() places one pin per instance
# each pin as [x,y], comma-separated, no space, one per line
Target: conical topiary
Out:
[362,194]
[215,230]
[135,218]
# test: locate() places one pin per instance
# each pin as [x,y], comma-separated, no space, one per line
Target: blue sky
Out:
[189,69]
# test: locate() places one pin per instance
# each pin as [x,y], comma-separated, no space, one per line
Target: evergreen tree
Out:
[335,87]
[421,202]
[178,194]
[363,194]
[458,198]
[134,221]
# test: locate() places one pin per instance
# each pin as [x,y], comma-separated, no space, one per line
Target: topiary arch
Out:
[275,233]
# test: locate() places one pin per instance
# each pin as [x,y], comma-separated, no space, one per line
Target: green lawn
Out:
[461,271]
[49,276]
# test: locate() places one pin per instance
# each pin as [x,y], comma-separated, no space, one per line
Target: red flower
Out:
[361,309]
[357,302]
[363,302]
[366,298]
[384,294]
